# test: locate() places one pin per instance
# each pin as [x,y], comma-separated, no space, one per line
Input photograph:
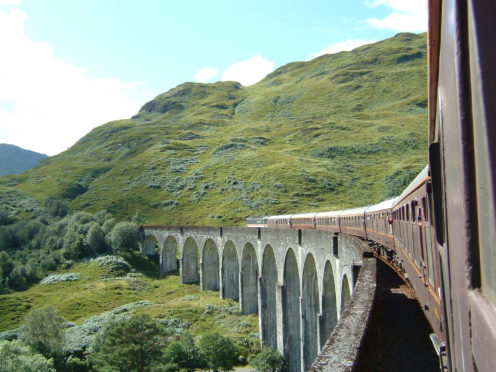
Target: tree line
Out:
[134,342]
[56,238]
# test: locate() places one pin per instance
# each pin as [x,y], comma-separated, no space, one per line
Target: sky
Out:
[67,66]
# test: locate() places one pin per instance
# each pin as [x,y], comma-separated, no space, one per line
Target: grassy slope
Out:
[79,300]
[315,135]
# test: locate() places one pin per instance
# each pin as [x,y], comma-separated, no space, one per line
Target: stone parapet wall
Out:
[342,349]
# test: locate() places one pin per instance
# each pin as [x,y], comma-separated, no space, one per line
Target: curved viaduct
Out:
[298,281]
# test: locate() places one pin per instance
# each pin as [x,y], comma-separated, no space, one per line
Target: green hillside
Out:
[338,131]
[14,160]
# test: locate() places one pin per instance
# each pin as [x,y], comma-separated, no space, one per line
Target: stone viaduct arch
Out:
[292,317]
[310,308]
[249,280]
[295,280]
[329,316]
[210,266]
[268,284]
[169,255]
[190,259]
[230,272]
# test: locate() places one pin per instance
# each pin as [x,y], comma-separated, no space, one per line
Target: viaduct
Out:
[298,281]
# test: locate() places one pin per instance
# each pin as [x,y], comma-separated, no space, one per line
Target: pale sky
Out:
[69,66]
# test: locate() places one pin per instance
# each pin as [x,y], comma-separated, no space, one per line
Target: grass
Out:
[79,300]
[332,131]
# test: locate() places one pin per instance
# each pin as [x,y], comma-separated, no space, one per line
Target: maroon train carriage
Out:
[352,221]
[379,223]
[303,221]
[327,221]
[279,222]
[414,243]
[462,160]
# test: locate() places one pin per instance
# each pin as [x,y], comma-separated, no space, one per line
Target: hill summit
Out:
[338,131]
[15,160]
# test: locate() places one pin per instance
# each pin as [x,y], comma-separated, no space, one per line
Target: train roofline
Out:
[417,181]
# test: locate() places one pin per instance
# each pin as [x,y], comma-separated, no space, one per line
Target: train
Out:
[440,233]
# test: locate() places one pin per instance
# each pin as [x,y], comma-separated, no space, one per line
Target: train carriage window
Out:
[407,218]
[429,253]
[413,203]
[425,210]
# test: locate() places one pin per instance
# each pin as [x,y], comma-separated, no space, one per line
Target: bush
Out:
[218,351]
[184,354]
[4,217]
[16,279]
[6,264]
[114,266]
[269,360]
[57,278]
[43,330]
[57,207]
[95,239]
[17,356]
[130,343]
[124,236]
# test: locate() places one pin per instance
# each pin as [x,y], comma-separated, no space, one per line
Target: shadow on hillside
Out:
[147,265]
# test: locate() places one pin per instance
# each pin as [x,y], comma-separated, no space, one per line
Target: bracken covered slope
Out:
[338,131]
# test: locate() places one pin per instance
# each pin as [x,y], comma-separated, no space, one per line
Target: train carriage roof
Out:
[285,216]
[386,204]
[353,211]
[413,185]
[304,215]
[328,214]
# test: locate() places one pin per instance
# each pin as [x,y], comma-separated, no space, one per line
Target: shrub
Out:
[57,207]
[108,225]
[16,279]
[57,278]
[6,264]
[95,239]
[184,354]
[269,360]
[4,217]
[114,265]
[17,356]
[43,330]
[130,343]
[219,351]
[124,236]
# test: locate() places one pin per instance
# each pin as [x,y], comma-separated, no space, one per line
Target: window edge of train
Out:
[352,223]
[382,206]
[273,221]
[303,220]
[323,215]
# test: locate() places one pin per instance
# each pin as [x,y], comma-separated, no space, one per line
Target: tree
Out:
[4,217]
[219,351]
[43,330]
[124,236]
[16,279]
[184,354]
[57,207]
[132,343]
[95,238]
[269,360]
[6,264]
[17,356]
